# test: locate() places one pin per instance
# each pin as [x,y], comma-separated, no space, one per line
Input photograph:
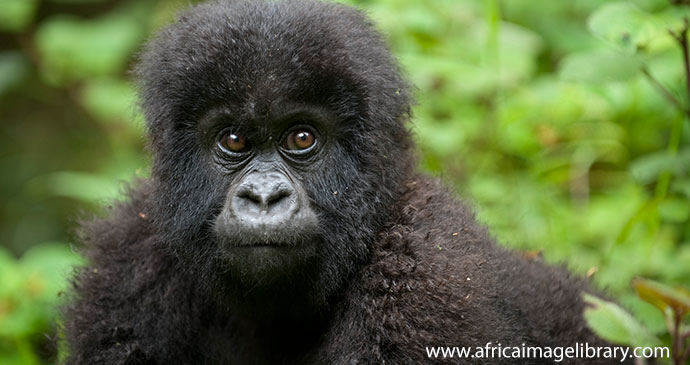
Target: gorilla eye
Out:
[300,139]
[234,142]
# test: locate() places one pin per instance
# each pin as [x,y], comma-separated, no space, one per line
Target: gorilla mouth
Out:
[282,236]
[259,257]
[300,229]
[270,246]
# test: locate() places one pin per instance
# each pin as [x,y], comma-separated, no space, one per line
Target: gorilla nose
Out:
[267,198]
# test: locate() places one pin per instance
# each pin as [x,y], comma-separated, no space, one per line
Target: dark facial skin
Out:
[266,227]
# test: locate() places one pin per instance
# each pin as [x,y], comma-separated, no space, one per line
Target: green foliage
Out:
[611,66]
[29,291]
[15,15]
[625,25]
[564,122]
[674,303]
[663,296]
[614,324]
[75,49]
[13,68]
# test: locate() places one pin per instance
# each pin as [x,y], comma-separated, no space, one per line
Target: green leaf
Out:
[5,258]
[111,99]
[440,139]
[78,1]
[74,49]
[643,212]
[53,260]
[82,186]
[599,65]
[21,353]
[682,186]
[623,24]
[674,210]
[614,324]
[647,168]
[16,15]
[673,18]
[8,273]
[29,293]
[13,69]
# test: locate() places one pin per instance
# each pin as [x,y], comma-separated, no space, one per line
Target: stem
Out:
[663,90]
[685,356]
[682,39]
[678,350]
[677,128]
[673,146]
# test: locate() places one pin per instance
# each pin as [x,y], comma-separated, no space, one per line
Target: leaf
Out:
[663,296]
[643,212]
[647,168]
[682,186]
[673,17]
[5,257]
[16,15]
[28,294]
[674,210]
[8,273]
[440,139]
[599,65]
[82,186]
[111,99]
[78,1]
[75,49]
[614,324]
[13,69]
[624,25]
[52,259]
[46,268]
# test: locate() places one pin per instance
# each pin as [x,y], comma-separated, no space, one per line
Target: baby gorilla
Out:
[284,222]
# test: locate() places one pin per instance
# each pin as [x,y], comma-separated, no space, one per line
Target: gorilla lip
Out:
[236,233]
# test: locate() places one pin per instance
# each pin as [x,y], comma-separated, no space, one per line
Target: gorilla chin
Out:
[265,264]
[260,250]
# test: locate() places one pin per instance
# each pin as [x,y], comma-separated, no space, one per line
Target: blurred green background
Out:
[546,115]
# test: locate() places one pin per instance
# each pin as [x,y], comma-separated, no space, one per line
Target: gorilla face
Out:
[278,141]
[267,227]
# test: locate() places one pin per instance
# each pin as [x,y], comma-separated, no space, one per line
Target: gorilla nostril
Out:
[265,198]
[276,198]
[250,195]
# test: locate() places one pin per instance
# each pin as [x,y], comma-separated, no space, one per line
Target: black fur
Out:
[401,264]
